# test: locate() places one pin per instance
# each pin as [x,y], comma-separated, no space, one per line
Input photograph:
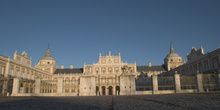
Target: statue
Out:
[88,69]
[126,69]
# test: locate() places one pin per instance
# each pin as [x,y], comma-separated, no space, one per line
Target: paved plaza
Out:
[202,101]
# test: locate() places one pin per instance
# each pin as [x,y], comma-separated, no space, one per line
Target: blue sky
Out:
[78,30]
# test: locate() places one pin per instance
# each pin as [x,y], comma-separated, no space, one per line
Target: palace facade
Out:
[109,76]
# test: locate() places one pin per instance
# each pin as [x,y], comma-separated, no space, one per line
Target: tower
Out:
[47,63]
[172,60]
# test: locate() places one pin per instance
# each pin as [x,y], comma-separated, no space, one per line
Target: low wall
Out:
[143,92]
[44,94]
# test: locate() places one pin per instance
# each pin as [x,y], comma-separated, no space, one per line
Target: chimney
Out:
[62,66]
[71,66]
[149,63]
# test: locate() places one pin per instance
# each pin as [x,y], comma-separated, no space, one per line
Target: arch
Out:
[103,90]
[110,88]
[117,88]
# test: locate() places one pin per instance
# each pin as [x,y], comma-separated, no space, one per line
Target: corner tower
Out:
[47,63]
[172,60]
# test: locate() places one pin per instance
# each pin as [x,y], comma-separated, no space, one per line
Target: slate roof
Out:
[152,68]
[69,71]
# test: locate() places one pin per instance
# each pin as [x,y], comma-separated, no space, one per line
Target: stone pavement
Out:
[202,101]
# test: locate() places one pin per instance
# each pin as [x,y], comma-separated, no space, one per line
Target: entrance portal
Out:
[110,90]
[103,90]
[117,90]
[97,90]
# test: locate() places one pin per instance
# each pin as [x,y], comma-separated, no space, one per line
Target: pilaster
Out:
[7,68]
[60,85]
[219,79]
[15,89]
[37,85]
[199,82]
[177,82]
[5,88]
[155,84]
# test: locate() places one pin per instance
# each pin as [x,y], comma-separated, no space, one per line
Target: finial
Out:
[48,45]
[109,53]
[171,49]
[48,52]
[119,54]
[100,54]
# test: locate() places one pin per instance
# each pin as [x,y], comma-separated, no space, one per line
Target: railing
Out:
[166,83]
[143,84]
[188,82]
[210,82]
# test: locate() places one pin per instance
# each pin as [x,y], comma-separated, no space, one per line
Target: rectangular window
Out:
[110,71]
[116,71]
[103,71]
[97,71]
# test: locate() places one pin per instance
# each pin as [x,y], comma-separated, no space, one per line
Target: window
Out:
[97,71]
[131,71]
[48,62]
[116,71]
[103,71]
[110,71]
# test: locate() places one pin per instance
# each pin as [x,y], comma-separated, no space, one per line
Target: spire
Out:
[171,49]
[48,52]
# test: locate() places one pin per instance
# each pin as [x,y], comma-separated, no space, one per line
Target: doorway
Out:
[110,90]
[103,90]
[117,90]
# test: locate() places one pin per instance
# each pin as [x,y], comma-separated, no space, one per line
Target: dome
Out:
[47,58]
[172,55]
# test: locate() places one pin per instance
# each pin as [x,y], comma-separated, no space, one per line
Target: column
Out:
[15,88]
[60,85]
[77,87]
[100,90]
[7,67]
[177,82]
[199,82]
[114,90]
[106,90]
[37,85]
[210,63]
[24,86]
[70,87]
[155,84]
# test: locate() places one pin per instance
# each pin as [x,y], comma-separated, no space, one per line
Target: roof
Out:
[69,71]
[152,68]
